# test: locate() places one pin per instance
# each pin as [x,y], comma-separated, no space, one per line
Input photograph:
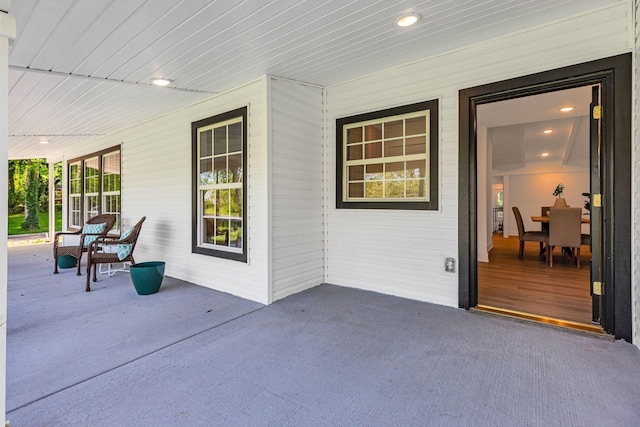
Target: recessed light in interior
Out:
[44,141]
[161,82]
[407,20]
[545,154]
[566,109]
[547,131]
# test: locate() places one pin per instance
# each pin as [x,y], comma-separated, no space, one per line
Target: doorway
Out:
[613,75]
[532,145]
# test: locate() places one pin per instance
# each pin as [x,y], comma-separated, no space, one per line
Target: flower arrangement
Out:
[559,190]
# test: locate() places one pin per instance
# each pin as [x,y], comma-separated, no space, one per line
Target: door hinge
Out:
[597,200]
[597,288]
[597,112]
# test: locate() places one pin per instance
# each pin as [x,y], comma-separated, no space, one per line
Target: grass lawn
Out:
[16,220]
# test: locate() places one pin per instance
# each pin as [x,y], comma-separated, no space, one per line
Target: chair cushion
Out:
[124,249]
[92,232]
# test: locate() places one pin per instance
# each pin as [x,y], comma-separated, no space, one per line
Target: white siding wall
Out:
[156,183]
[296,187]
[401,252]
[635,201]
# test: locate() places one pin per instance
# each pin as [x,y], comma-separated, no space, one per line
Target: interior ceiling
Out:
[515,130]
[81,69]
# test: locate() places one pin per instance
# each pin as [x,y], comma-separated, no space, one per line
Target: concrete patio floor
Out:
[330,356]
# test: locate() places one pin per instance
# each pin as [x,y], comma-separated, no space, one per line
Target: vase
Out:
[147,276]
[67,261]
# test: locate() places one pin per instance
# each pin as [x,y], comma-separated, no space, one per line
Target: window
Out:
[388,159]
[94,187]
[219,185]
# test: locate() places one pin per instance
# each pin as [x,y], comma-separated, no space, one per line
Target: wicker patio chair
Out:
[76,251]
[101,250]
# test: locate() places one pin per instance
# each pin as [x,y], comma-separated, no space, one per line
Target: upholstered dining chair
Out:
[527,236]
[112,250]
[564,231]
[94,227]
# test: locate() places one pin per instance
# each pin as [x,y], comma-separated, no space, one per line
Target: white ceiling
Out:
[516,130]
[80,69]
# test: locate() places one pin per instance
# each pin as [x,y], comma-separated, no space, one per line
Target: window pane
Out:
[416,188]
[208,230]
[235,137]
[235,168]
[393,129]
[354,152]
[416,126]
[220,169]
[393,148]
[354,135]
[394,189]
[394,171]
[356,173]
[373,132]
[209,203]
[235,203]
[416,169]
[222,202]
[356,189]
[206,172]
[374,172]
[373,150]
[235,234]
[416,145]
[220,140]
[374,189]
[205,143]
[222,232]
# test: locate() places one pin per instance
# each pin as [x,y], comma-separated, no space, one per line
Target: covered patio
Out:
[330,355]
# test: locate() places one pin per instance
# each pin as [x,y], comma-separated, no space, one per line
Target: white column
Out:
[7,31]
[52,200]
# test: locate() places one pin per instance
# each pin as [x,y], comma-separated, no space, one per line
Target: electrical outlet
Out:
[450,265]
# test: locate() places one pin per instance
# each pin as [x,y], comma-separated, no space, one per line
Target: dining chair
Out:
[564,231]
[527,236]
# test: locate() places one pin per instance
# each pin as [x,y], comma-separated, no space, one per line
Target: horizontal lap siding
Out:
[296,187]
[156,183]
[402,252]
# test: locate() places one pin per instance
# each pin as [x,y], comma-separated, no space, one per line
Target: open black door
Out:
[595,137]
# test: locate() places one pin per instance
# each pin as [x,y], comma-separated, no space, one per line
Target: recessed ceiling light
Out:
[547,131]
[161,82]
[566,109]
[407,20]
[44,141]
[545,154]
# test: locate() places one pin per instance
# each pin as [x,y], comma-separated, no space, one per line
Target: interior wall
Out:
[530,192]
[401,252]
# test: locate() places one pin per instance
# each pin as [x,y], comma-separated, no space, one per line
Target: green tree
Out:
[32,196]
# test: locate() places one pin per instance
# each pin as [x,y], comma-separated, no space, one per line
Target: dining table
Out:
[545,219]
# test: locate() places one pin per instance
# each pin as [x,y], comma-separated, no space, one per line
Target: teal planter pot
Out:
[147,276]
[67,261]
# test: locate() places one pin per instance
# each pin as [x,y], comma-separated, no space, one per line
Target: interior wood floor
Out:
[529,285]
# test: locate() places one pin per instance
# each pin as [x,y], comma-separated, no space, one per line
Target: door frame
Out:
[614,75]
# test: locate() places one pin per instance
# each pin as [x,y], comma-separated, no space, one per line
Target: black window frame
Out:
[195,217]
[434,143]
[99,154]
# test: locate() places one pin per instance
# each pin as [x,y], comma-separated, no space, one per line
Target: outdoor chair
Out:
[112,250]
[564,231]
[527,236]
[94,227]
